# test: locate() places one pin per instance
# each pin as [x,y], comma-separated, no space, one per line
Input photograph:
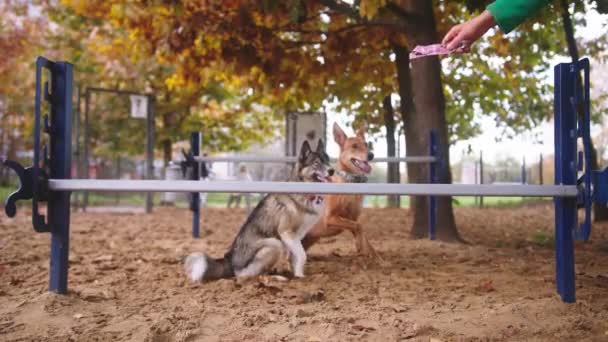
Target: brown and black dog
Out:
[342,211]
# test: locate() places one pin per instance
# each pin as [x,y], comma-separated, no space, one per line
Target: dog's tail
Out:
[201,267]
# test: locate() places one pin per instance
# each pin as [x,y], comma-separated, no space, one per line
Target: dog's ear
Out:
[339,135]
[361,132]
[305,151]
[320,147]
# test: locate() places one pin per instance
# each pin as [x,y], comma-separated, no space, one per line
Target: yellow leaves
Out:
[174,82]
[257,75]
[93,9]
[160,59]
[164,11]
[117,10]
[500,44]
[134,34]
[207,42]
[250,52]
[369,8]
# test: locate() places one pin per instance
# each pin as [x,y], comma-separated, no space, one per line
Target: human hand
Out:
[463,35]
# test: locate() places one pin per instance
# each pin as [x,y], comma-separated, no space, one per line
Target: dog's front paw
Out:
[299,274]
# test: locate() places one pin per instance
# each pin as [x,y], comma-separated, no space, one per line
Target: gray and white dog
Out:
[277,224]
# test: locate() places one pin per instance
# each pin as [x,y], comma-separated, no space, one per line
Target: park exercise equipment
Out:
[48,178]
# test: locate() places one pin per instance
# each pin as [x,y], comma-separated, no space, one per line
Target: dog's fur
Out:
[278,223]
[342,211]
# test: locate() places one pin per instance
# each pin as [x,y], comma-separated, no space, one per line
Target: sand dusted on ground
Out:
[127,283]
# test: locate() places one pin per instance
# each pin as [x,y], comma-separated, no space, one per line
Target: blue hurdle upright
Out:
[48,178]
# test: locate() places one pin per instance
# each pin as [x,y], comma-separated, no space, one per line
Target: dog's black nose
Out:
[330,172]
[370,156]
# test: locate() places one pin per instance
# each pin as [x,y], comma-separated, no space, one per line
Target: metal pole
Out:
[87,101]
[432,179]
[398,152]
[77,145]
[150,150]
[289,159]
[195,205]
[565,174]
[60,168]
[523,171]
[476,181]
[481,176]
[419,189]
[117,195]
[287,134]
[399,133]
[540,170]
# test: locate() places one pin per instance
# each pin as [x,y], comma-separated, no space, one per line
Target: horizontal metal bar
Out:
[261,159]
[317,188]
[115,91]
[247,159]
[412,159]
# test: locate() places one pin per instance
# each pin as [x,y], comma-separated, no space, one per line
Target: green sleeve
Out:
[510,13]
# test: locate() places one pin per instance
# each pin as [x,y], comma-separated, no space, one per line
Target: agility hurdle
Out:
[194,161]
[282,160]
[48,178]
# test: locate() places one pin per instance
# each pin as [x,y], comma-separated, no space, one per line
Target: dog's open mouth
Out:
[318,177]
[361,165]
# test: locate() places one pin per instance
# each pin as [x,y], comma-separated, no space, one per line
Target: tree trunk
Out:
[4,175]
[392,175]
[422,114]
[600,212]
[167,151]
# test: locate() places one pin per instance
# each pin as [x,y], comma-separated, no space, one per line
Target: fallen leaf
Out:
[107,267]
[486,287]
[400,309]
[267,285]
[303,313]
[102,258]
[309,297]
[359,327]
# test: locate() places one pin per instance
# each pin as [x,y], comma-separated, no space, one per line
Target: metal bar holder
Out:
[194,170]
[34,179]
[592,184]
[581,102]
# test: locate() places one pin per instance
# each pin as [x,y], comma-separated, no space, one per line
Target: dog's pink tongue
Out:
[365,167]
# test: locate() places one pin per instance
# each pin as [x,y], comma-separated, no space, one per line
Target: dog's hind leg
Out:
[265,257]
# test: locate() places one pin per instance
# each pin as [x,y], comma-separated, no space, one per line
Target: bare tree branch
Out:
[341,7]
[346,9]
[328,33]
[400,11]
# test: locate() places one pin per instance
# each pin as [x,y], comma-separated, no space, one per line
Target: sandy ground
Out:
[127,283]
